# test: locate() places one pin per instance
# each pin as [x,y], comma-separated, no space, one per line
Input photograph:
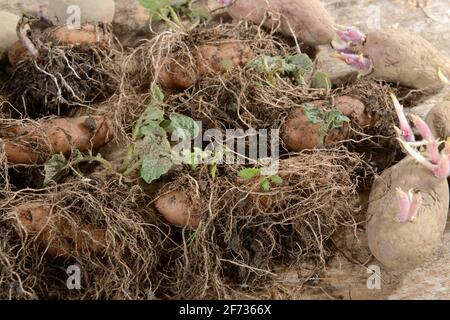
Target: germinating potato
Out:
[63,12]
[306,19]
[406,58]
[178,210]
[177,74]
[438,120]
[33,143]
[54,230]
[8,34]
[406,245]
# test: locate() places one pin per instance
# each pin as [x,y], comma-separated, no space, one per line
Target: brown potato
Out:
[354,109]
[180,75]
[178,210]
[298,133]
[57,234]
[438,119]
[406,58]
[307,19]
[88,34]
[402,246]
[32,143]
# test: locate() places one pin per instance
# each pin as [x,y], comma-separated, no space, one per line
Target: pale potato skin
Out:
[308,19]
[90,10]
[56,136]
[438,119]
[177,209]
[8,35]
[403,246]
[406,58]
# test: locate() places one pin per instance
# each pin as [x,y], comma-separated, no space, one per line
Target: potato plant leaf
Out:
[265,184]
[276,179]
[321,81]
[53,168]
[249,173]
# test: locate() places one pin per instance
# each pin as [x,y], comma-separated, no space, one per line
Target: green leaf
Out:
[321,80]
[154,114]
[265,184]
[184,126]
[313,114]
[335,119]
[158,95]
[250,173]
[302,61]
[154,6]
[227,64]
[155,165]
[276,179]
[54,167]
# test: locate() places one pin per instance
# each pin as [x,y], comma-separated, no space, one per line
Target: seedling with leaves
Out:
[151,150]
[299,68]
[172,12]
[58,166]
[266,182]
[329,120]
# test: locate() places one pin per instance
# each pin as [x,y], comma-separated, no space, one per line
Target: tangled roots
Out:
[64,76]
[99,225]
[245,233]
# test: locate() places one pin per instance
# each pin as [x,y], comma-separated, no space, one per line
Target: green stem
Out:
[131,169]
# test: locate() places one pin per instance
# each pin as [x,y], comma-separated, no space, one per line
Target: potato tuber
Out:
[87,34]
[439,120]
[58,235]
[176,74]
[409,203]
[301,131]
[8,34]
[33,143]
[306,19]
[178,210]
[396,55]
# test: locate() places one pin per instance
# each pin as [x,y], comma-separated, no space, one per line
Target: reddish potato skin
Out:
[179,75]
[438,119]
[177,209]
[308,19]
[406,58]
[88,34]
[402,246]
[298,133]
[354,109]
[53,232]
[56,136]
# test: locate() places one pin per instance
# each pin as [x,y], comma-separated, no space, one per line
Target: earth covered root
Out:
[99,225]
[245,233]
[71,68]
